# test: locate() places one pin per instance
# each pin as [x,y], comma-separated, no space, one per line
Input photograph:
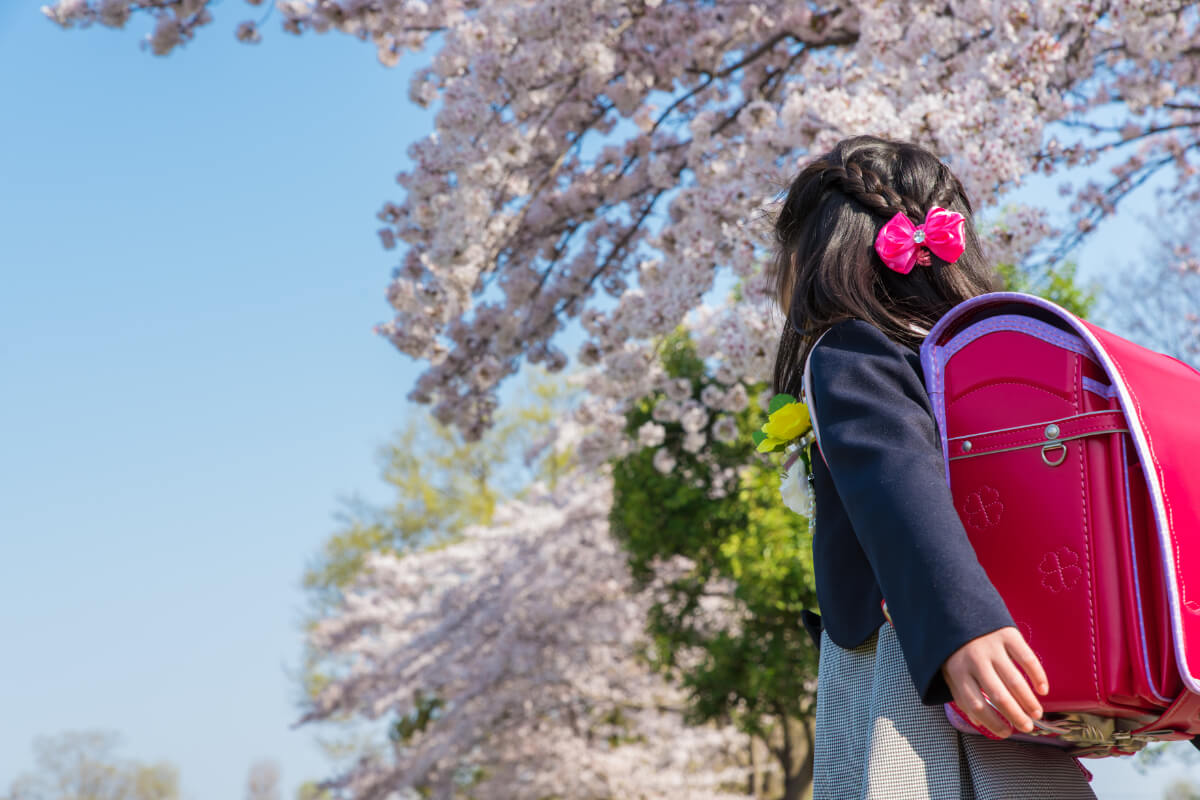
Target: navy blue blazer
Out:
[885,523]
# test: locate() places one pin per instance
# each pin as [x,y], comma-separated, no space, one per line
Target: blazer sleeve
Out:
[881,444]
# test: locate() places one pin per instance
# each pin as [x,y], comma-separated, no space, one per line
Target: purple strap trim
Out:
[935,383]
[1014,322]
[1133,557]
[1096,387]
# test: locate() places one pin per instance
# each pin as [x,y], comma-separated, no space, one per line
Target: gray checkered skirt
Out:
[875,739]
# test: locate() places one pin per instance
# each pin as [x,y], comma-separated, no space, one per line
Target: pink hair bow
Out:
[899,240]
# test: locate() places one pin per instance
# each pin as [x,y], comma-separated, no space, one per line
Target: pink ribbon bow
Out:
[899,240]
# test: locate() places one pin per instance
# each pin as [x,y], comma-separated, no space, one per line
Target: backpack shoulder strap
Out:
[806,387]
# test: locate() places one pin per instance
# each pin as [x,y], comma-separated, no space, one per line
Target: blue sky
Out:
[190,381]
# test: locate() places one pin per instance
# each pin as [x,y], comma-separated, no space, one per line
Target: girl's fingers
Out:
[986,681]
[1020,651]
[1018,686]
[1003,700]
[980,712]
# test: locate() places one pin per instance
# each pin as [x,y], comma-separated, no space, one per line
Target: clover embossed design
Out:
[983,508]
[1060,569]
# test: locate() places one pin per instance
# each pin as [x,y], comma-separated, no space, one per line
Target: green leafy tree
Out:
[1058,283]
[760,672]
[746,550]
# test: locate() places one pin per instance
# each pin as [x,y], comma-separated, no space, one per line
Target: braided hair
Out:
[826,269]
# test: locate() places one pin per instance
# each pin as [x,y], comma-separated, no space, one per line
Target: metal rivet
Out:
[1052,431]
[966,446]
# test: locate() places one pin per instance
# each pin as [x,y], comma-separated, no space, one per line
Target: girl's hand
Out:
[988,665]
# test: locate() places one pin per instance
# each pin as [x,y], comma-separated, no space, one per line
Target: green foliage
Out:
[779,401]
[1058,283]
[744,546]
[428,708]
[311,790]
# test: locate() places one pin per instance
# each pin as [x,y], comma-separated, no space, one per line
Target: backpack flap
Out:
[1161,399]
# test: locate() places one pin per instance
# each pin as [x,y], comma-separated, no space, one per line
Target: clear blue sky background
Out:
[190,383]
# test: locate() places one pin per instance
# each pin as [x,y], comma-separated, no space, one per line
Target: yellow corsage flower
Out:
[789,427]
[787,421]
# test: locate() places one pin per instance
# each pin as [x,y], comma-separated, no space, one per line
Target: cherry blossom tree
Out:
[84,764]
[1157,303]
[629,148]
[511,664]
[606,162]
[262,781]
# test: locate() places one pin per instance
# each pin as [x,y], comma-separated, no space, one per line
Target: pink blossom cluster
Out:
[527,631]
[175,21]
[607,160]
[736,333]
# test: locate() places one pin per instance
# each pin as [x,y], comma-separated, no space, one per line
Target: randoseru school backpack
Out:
[1073,457]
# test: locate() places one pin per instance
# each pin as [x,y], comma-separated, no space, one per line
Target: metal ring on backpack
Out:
[1063,457]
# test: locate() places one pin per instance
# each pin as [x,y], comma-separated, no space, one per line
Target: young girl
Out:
[861,285]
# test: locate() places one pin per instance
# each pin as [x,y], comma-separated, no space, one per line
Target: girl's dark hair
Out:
[826,269]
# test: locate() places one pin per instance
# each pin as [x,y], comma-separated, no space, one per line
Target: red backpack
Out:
[1073,457]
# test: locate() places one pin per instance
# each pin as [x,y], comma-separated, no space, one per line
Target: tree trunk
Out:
[804,768]
[796,757]
[754,782]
